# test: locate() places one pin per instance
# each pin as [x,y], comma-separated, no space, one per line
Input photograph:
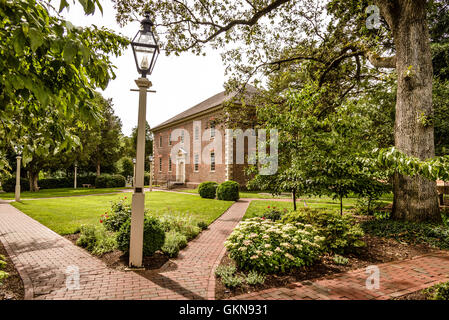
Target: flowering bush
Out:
[120,212]
[269,246]
[273,213]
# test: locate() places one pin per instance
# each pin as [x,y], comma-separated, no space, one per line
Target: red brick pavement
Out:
[42,257]
[396,279]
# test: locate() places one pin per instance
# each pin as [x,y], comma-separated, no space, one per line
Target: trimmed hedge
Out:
[9,185]
[229,191]
[207,189]
[153,236]
[110,181]
[66,182]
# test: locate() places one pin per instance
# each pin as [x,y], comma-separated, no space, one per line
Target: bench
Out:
[87,185]
[442,188]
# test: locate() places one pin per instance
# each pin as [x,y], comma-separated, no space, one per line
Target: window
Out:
[169,164]
[160,164]
[182,135]
[212,130]
[169,140]
[160,140]
[196,162]
[212,161]
[197,133]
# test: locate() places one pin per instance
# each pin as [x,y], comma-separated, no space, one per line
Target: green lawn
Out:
[247,194]
[257,207]
[65,215]
[62,192]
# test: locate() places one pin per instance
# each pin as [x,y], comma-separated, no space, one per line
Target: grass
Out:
[247,194]
[257,207]
[62,192]
[66,215]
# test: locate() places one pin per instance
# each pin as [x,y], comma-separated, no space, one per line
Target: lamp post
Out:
[134,172]
[146,51]
[76,169]
[151,158]
[18,158]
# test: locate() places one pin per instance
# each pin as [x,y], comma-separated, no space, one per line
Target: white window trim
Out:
[210,165]
[196,162]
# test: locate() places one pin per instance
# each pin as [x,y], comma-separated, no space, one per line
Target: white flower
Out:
[267,245]
[269,253]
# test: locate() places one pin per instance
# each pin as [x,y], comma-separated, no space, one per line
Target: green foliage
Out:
[438,292]
[3,274]
[228,190]
[9,185]
[340,260]
[340,232]
[225,270]
[416,233]
[232,281]
[254,278]
[153,236]
[120,213]
[174,241]
[127,167]
[96,239]
[273,214]
[269,247]
[202,225]
[207,189]
[110,181]
[184,224]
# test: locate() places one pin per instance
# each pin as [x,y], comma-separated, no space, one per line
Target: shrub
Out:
[184,224]
[341,233]
[202,225]
[438,292]
[254,278]
[110,181]
[153,236]
[174,241]
[207,189]
[273,214]
[223,271]
[268,246]
[232,281]
[54,183]
[127,167]
[9,185]
[340,260]
[96,239]
[228,191]
[435,235]
[3,274]
[120,212]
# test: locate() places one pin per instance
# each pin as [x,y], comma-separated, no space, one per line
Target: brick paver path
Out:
[396,279]
[42,258]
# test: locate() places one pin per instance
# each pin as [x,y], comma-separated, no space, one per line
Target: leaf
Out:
[64,4]
[70,50]
[36,39]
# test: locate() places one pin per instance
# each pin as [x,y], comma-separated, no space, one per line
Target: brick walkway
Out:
[41,256]
[396,279]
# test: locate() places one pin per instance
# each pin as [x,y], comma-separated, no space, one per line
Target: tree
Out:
[266,34]
[148,144]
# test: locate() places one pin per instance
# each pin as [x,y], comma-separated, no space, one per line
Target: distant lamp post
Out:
[18,150]
[151,158]
[146,51]
[76,171]
[134,172]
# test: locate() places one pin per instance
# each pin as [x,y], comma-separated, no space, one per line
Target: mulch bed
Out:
[12,286]
[377,250]
[119,261]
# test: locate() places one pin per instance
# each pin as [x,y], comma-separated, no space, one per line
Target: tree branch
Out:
[381,62]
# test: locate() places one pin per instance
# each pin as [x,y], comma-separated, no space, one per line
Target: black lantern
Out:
[145,47]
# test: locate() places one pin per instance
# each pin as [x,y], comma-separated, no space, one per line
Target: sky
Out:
[180,82]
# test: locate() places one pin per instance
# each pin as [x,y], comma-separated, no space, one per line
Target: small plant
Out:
[202,225]
[273,214]
[120,213]
[438,292]
[153,236]
[183,224]
[382,215]
[225,271]
[174,241]
[96,239]
[254,278]
[232,281]
[341,260]
[207,189]
[229,191]
[3,274]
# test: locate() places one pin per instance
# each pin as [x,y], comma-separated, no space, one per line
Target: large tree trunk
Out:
[415,199]
[34,176]
[98,168]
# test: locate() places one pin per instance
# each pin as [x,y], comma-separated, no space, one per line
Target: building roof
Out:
[208,104]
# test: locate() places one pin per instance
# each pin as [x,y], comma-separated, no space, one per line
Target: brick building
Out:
[193,146]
